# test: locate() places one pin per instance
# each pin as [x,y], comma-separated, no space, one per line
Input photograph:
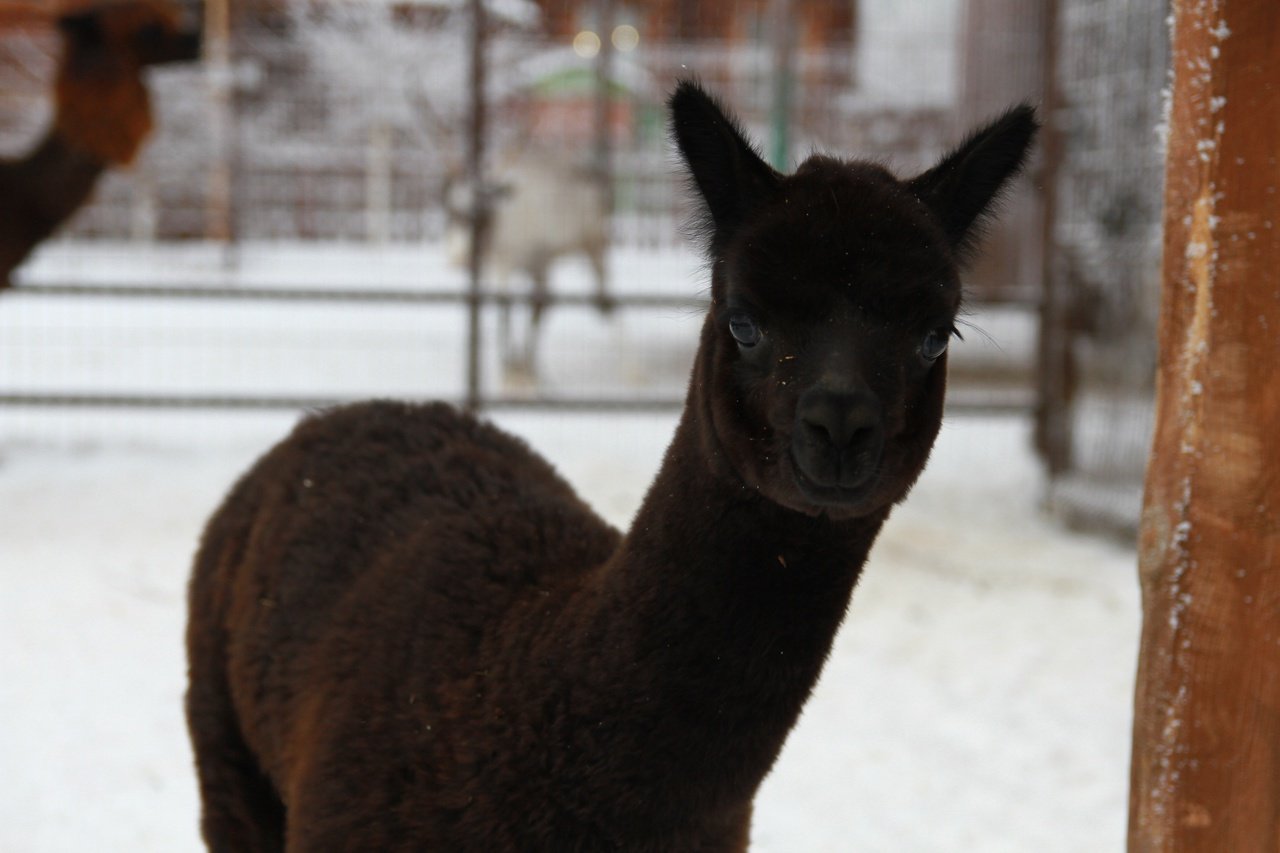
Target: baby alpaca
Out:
[102,116]
[408,633]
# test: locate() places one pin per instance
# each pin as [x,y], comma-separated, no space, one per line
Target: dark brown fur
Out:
[408,633]
[102,116]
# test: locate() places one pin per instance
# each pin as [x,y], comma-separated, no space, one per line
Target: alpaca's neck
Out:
[41,191]
[63,175]
[105,120]
[710,626]
[746,581]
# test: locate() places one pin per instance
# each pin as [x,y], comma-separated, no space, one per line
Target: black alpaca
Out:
[408,633]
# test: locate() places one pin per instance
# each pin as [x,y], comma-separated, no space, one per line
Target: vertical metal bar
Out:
[378,181]
[1054,367]
[217,47]
[603,165]
[479,203]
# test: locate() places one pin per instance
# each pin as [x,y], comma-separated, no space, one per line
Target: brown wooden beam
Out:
[1206,752]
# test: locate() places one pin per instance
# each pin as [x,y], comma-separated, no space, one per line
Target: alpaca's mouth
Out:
[844,494]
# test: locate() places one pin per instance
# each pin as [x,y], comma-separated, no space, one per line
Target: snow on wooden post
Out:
[1206,753]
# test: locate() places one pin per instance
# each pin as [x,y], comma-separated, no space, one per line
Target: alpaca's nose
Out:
[838,436]
[840,420]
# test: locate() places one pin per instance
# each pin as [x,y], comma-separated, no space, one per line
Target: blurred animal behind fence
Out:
[542,210]
[102,116]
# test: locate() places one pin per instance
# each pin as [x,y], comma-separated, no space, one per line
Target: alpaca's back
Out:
[379,546]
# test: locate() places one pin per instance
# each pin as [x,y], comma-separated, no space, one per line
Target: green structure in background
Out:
[783,85]
[780,122]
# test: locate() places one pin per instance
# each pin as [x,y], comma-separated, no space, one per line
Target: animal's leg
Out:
[506,347]
[537,306]
[241,812]
[604,301]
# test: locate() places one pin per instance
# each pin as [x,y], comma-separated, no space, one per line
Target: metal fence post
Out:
[479,203]
[603,164]
[1053,362]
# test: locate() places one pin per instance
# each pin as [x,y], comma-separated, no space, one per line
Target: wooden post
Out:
[1206,753]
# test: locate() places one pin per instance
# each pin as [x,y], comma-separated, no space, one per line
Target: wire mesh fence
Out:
[345,121]
[290,232]
[1104,263]
[313,152]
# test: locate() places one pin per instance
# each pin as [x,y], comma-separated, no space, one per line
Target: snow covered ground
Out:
[978,697]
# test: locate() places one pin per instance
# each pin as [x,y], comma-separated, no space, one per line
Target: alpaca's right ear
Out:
[727,170]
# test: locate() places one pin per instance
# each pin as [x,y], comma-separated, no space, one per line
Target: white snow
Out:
[907,52]
[978,697]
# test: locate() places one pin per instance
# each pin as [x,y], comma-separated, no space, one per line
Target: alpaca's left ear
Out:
[963,188]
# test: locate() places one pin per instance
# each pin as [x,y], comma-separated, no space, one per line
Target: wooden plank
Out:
[1206,753]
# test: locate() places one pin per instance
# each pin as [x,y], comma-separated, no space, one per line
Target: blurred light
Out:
[586,44]
[626,37]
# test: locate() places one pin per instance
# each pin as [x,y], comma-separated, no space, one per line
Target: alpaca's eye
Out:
[744,330]
[934,344]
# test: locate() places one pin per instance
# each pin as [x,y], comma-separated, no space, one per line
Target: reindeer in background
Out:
[102,116]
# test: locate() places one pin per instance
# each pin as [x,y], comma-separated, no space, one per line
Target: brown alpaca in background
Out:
[102,116]
[408,633]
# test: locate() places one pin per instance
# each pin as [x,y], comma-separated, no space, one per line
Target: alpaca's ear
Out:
[82,28]
[726,169]
[963,188]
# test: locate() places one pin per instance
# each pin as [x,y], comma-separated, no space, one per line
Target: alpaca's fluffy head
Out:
[834,295]
[103,108]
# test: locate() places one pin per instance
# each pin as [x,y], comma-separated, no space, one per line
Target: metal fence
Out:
[282,241]
[1103,272]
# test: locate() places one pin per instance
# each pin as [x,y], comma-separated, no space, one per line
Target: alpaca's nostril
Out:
[815,432]
[858,438]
